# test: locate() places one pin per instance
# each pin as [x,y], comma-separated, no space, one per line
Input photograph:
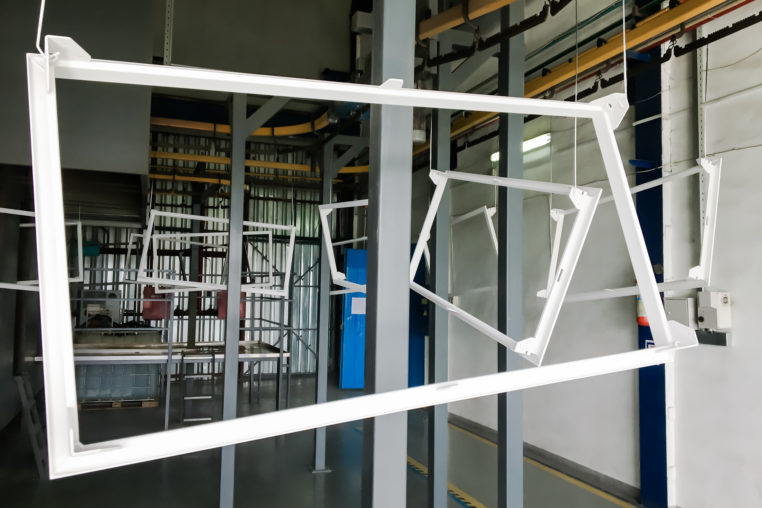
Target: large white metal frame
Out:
[698,277]
[33,285]
[168,285]
[64,59]
[339,278]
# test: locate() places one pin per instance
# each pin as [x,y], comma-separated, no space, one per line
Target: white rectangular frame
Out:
[585,200]
[33,285]
[64,59]
[181,286]
[187,239]
[337,277]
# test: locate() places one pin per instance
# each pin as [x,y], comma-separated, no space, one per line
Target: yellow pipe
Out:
[197,179]
[454,16]
[646,30]
[224,181]
[250,163]
[286,130]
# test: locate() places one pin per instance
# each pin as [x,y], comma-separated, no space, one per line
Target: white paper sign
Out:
[358,305]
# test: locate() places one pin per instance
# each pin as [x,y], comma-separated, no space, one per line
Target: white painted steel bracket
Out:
[64,59]
[33,285]
[164,284]
[585,200]
[339,278]
[698,276]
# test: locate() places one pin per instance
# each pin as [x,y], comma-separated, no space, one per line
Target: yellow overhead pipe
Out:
[286,130]
[647,30]
[249,163]
[453,16]
[197,179]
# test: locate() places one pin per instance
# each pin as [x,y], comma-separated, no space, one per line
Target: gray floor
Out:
[269,473]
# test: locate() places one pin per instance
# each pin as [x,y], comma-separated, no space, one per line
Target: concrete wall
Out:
[298,38]
[10,197]
[102,127]
[718,407]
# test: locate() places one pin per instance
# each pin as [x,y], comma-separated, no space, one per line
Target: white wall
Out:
[719,409]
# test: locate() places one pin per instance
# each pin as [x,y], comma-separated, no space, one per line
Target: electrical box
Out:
[682,310]
[362,22]
[96,302]
[714,310]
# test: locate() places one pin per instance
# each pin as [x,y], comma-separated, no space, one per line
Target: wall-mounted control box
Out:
[714,310]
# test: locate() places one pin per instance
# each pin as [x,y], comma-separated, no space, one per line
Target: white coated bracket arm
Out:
[557,215]
[713,169]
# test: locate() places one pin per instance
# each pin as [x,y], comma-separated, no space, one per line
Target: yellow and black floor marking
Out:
[604,495]
[463,498]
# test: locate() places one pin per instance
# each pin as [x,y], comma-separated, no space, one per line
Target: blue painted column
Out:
[645,95]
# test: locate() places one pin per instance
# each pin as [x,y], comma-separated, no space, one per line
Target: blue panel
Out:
[352,362]
[418,328]
[653,419]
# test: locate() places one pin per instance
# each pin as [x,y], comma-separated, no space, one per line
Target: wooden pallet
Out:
[114,404]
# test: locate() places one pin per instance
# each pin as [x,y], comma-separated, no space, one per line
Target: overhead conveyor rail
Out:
[651,30]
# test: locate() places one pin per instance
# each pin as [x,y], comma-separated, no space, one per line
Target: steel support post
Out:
[195,268]
[232,325]
[324,314]
[241,127]
[438,445]
[389,193]
[510,439]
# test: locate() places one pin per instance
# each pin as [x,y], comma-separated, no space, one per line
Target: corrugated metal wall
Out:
[267,319]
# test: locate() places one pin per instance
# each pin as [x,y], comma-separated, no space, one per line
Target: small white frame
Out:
[167,285]
[34,285]
[186,239]
[698,277]
[64,59]
[585,200]
[337,277]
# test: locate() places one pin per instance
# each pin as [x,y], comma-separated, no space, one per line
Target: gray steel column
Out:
[324,306]
[388,310]
[509,283]
[241,127]
[193,273]
[438,446]
[232,324]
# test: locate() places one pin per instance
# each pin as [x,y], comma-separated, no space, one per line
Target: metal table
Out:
[251,352]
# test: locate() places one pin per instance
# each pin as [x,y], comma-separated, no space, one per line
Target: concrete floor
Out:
[274,472]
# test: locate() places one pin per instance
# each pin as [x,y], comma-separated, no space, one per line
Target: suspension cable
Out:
[39,27]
